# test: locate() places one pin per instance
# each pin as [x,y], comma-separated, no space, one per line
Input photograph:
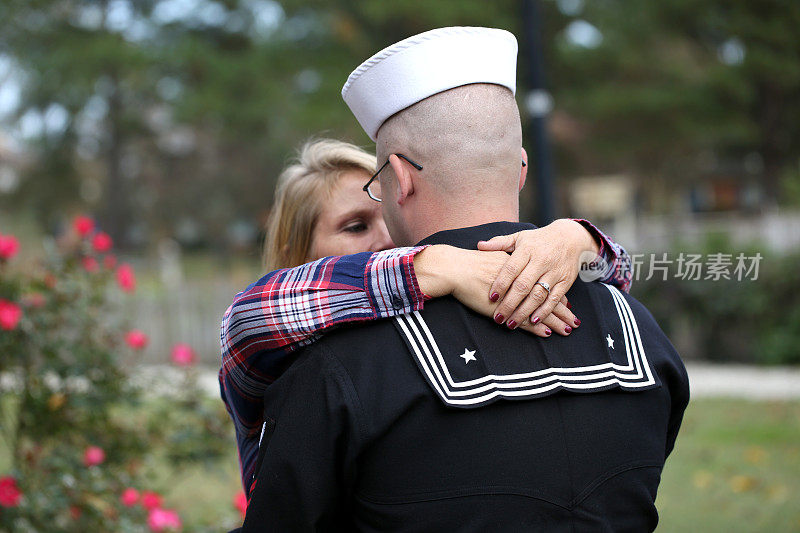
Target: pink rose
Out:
[183,355]
[90,264]
[10,315]
[163,520]
[240,502]
[151,500]
[126,278]
[9,246]
[82,225]
[10,494]
[93,456]
[101,242]
[129,497]
[136,339]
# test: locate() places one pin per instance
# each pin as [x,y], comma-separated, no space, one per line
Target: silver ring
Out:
[545,286]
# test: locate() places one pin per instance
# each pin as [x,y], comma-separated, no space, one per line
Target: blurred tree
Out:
[666,85]
[137,109]
[84,85]
[174,117]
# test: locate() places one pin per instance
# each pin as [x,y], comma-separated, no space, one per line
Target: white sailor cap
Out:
[426,64]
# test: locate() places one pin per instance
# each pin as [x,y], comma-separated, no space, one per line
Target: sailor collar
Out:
[470,362]
[468,237]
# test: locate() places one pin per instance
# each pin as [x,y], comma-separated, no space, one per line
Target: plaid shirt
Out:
[289,308]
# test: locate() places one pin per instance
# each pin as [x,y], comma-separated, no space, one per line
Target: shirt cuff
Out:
[617,263]
[598,236]
[391,283]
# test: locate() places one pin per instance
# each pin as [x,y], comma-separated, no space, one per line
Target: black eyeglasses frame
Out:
[365,188]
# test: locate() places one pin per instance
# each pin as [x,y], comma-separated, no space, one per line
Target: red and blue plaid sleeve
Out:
[618,270]
[288,309]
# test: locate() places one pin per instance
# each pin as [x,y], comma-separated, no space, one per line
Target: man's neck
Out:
[440,216]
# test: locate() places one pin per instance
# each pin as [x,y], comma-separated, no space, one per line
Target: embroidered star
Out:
[610,341]
[468,355]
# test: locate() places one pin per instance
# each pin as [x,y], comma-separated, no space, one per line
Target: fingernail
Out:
[535,320]
[568,329]
[547,331]
[499,318]
[577,322]
[494,297]
[569,305]
[511,324]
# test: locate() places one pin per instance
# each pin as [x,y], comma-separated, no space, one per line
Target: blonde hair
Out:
[302,188]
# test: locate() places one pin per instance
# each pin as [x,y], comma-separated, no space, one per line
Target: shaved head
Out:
[469,143]
[466,138]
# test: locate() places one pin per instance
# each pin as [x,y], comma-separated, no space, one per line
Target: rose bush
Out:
[80,445]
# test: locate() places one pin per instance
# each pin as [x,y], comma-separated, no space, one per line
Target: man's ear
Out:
[523,173]
[405,184]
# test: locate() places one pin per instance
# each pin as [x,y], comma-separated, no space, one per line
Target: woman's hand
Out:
[550,255]
[468,275]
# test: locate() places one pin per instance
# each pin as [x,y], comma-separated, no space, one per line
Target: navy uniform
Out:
[442,421]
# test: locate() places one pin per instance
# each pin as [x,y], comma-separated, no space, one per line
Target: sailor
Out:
[438,420]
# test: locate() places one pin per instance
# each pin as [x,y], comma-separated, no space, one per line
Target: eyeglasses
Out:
[373,188]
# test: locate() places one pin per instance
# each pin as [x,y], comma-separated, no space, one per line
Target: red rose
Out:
[9,246]
[183,355]
[101,242]
[93,456]
[10,315]
[151,500]
[10,494]
[82,225]
[75,512]
[90,264]
[136,339]
[240,502]
[129,497]
[126,278]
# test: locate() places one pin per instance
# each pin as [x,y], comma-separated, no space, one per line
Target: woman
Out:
[321,214]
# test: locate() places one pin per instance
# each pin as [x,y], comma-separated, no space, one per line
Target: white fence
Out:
[187,313]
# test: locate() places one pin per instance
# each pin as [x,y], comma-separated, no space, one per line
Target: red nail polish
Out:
[511,324]
[577,322]
[494,297]
[568,329]
[547,331]
[569,305]
[499,318]
[535,320]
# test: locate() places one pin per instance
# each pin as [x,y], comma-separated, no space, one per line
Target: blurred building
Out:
[726,205]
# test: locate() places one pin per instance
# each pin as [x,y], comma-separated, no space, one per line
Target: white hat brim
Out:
[415,68]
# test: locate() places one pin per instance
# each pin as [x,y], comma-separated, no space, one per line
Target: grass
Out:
[736,467]
[203,493]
